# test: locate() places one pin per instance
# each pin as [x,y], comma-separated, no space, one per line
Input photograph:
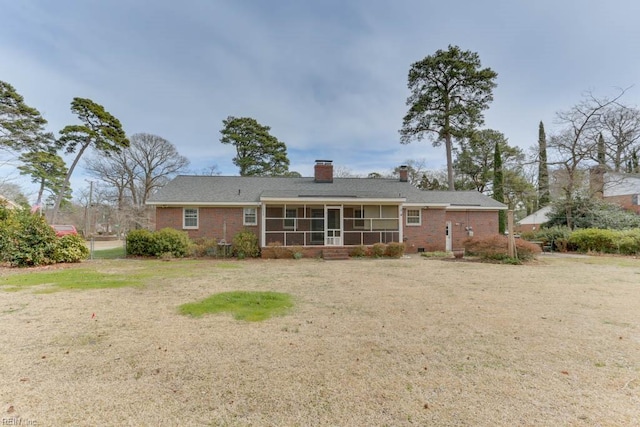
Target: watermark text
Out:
[17,421]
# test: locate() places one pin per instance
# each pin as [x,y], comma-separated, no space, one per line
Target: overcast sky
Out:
[329,77]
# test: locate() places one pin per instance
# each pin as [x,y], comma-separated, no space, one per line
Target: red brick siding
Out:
[526,228]
[211,222]
[483,223]
[625,201]
[431,234]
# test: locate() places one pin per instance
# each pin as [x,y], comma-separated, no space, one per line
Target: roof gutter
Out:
[226,204]
[333,200]
[476,208]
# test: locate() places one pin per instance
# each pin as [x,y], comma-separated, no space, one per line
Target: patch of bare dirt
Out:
[370,342]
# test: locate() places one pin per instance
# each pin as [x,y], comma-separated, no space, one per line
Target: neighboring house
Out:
[621,189]
[534,221]
[323,211]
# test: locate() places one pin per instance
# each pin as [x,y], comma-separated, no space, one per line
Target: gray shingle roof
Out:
[192,190]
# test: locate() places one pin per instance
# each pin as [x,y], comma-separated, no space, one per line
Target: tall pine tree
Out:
[544,196]
[449,92]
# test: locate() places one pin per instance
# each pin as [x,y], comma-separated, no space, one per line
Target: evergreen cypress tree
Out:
[601,151]
[544,196]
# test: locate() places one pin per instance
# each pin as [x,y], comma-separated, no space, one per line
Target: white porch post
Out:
[400,224]
[263,224]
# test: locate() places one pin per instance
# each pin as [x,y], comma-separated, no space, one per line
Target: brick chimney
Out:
[404,173]
[324,171]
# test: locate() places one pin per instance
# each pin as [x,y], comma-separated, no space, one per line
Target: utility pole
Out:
[87,224]
[511,238]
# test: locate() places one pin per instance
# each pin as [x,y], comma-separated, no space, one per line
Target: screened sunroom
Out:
[331,224]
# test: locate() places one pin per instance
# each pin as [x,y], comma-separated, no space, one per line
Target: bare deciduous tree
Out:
[135,173]
[156,161]
[576,144]
[621,132]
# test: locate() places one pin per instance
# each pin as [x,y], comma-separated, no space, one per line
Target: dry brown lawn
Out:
[370,342]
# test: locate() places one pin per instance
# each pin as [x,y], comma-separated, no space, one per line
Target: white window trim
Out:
[244,216]
[184,219]
[413,224]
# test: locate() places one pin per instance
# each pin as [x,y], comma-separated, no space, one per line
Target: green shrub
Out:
[27,239]
[594,240]
[497,248]
[394,250]
[629,241]
[297,252]
[526,251]
[245,244]
[139,243]
[70,248]
[436,254]
[358,252]
[556,237]
[202,247]
[278,251]
[170,241]
[528,235]
[378,250]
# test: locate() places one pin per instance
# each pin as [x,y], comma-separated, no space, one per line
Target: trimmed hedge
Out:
[378,250]
[163,243]
[562,239]
[394,250]
[139,242]
[606,241]
[629,242]
[245,244]
[71,248]
[171,241]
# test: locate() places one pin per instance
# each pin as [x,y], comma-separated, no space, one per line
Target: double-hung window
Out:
[413,217]
[250,216]
[190,218]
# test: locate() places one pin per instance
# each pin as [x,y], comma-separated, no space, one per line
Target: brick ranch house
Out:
[622,189]
[323,212]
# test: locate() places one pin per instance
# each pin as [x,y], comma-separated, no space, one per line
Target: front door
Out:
[447,232]
[333,231]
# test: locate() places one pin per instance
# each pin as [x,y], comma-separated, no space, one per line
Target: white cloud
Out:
[329,77]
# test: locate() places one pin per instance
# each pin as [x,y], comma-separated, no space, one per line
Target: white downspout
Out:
[400,225]
[263,224]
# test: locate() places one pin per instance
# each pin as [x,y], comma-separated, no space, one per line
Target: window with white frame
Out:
[250,216]
[190,218]
[413,217]
[290,215]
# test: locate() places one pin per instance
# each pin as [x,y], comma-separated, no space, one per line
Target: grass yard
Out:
[362,342]
[250,306]
[111,253]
